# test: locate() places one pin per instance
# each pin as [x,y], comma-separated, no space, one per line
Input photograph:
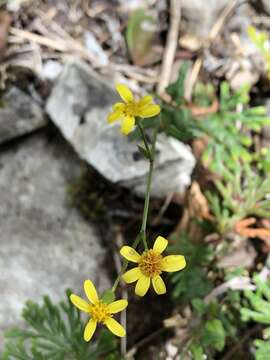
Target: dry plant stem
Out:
[241,342]
[163,209]
[124,295]
[41,40]
[123,321]
[213,34]
[171,45]
[64,46]
[130,354]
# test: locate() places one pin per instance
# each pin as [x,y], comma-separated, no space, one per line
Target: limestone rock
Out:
[265,5]
[19,115]
[79,105]
[45,245]
[201,15]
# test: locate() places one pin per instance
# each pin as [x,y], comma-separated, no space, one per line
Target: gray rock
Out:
[265,5]
[51,69]
[79,105]
[200,15]
[45,245]
[19,115]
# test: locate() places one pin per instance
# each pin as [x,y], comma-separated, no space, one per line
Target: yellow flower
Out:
[99,311]
[127,111]
[150,265]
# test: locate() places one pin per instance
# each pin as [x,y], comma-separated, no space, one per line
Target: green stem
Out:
[142,233]
[144,140]
[148,189]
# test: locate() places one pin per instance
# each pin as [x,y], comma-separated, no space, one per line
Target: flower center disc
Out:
[150,263]
[100,312]
[131,109]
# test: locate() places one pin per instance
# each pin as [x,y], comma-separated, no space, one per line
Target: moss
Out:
[85,194]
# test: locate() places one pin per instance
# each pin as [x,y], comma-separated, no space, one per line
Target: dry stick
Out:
[212,36]
[144,341]
[241,342]
[92,13]
[142,75]
[42,40]
[163,209]
[59,44]
[171,45]
[124,295]
[70,45]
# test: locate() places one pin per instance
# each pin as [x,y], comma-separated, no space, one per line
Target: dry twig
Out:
[171,45]
[134,72]
[237,283]
[67,45]
[124,294]
[212,36]
[241,342]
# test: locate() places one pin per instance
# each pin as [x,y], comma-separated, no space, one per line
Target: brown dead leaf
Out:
[199,145]
[198,204]
[243,228]
[5,21]
[200,111]
[196,209]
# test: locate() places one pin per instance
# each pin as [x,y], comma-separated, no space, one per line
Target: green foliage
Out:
[177,119]
[140,33]
[257,309]
[204,94]
[259,301]
[55,332]
[209,329]
[228,130]
[84,193]
[263,159]
[108,296]
[197,352]
[263,347]
[177,89]
[244,192]
[195,273]
[261,40]
[214,335]
[213,324]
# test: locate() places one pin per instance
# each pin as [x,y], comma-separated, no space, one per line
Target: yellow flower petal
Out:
[149,111]
[130,254]
[117,306]
[142,286]
[148,99]
[132,275]
[127,125]
[158,285]
[173,263]
[160,244]
[80,303]
[119,106]
[90,291]
[114,116]
[115,327]
[124,92]
[89,330]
